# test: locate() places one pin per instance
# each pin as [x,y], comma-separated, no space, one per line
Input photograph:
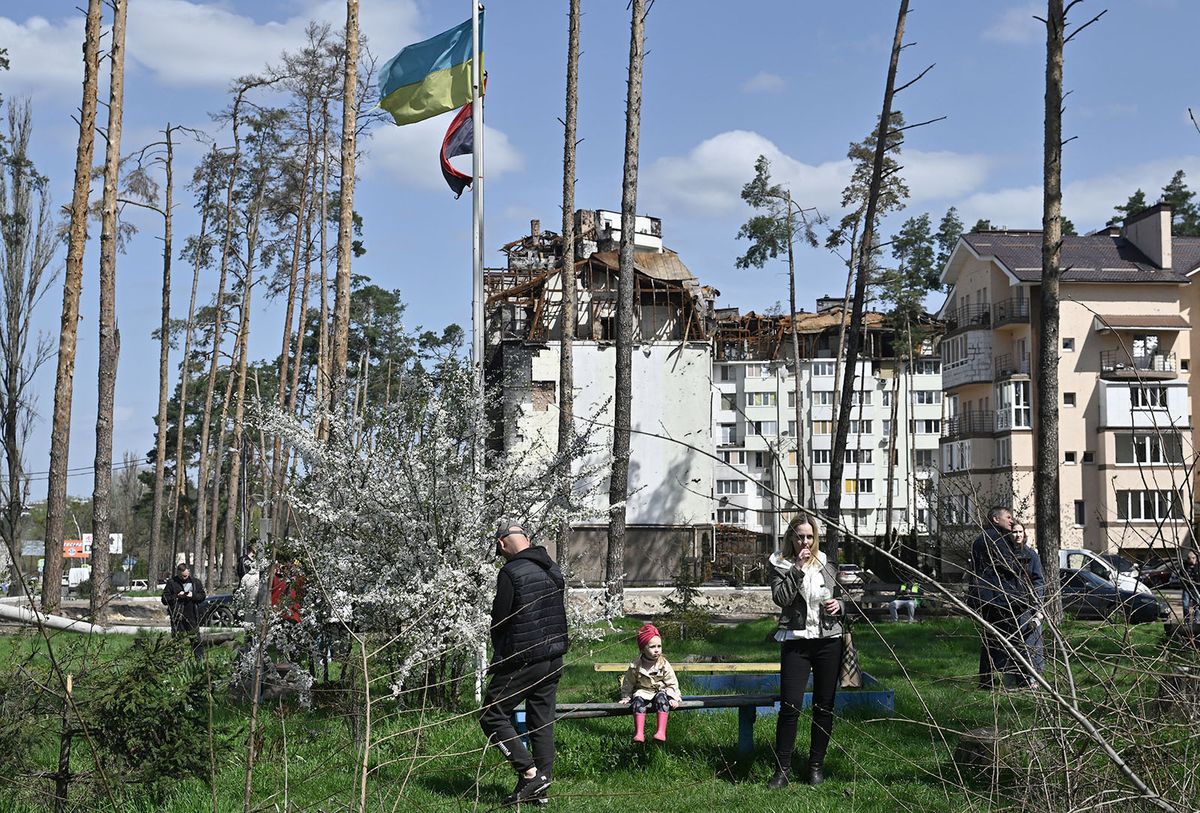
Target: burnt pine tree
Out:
[68,333]
[341,306]
[566,363]
[109,339]
[618,489]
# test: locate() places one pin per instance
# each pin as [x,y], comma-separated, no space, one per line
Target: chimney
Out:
[535,230]
[1150,231]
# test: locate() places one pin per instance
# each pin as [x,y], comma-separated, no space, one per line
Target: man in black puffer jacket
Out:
[529,638]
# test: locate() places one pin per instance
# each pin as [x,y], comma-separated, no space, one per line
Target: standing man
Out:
[529,638]
[183,596]
[1189,576]
[1009,589]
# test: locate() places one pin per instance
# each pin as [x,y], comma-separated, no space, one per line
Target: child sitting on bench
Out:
[650,681]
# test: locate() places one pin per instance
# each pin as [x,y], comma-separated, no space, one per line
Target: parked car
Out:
[1158,573]
[1122,564]
[219,611]
[1086,595]
[1082,559]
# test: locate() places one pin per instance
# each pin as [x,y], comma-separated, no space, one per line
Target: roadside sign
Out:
[33,547]
[76,549]
[115,543]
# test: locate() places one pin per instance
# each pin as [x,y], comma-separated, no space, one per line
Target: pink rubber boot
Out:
[639,728]
[661,734]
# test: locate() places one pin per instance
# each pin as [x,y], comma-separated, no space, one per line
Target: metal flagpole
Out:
[477,327]
[477,202]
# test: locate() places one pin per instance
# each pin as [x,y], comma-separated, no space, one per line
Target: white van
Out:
[1081,559]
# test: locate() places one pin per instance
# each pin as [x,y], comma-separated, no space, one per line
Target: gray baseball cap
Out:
[505,528]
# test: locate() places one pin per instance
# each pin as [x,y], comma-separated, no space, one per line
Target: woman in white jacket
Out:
[810,635]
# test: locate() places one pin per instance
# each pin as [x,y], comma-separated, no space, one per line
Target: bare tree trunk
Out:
[217,456]
[1045,472]
[110,340]
[322,387]
[164,355]
[229,560]
[64,384]
[891,453]
[840,360]
[185,375]
[341,308]
[798,399]
[854,337]
[566,363]
[618,490]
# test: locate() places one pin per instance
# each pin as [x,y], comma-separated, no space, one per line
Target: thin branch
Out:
[1085,25]
[914,80]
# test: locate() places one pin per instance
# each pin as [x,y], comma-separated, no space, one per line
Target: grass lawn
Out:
[433,760]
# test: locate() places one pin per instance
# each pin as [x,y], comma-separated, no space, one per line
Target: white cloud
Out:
[1088,202]
[187,43]
[764,82]
[409,154]
[708,180]
[1016,26]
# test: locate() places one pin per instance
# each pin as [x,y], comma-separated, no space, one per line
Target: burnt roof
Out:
[1086,258]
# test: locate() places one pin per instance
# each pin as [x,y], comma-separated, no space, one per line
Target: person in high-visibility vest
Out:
[906,598]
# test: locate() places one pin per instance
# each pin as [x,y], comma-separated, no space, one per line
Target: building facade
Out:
[1125,418]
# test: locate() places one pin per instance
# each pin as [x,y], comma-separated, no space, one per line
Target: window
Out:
[727,373]
[731,516]
[765,518]
[728,400]
[822,398]
[886,427]
[926,426]
[1069,458]
[766,429]
[927,367]
[1149,505]
[860,487]
[1068,399]
[1022,411]
[1148,397]
[760,399]
[820,457]
[791,399]
[860,397]
[1080,514]
[791,428]
[858,456]
[1068,344]
[734,458]
[928,396]
[759,460]
[860,427]
[822,368]
[727,432]
[1089,457]
[887,398]
[923,458]
[731,486]
[822,427]
[1183,365]
[820,486]
[762,489]
[1004,452]
[1149,447]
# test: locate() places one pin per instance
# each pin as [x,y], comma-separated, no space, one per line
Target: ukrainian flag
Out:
[430,77]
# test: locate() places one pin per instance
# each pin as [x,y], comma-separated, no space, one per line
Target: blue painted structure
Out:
[872,696]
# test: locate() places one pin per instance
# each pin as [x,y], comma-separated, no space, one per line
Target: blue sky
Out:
[795,80]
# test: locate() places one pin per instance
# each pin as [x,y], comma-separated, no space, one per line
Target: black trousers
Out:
[537,685]
[798,658]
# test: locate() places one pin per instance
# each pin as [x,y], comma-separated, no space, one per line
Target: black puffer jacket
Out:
[183,607]
[529,618]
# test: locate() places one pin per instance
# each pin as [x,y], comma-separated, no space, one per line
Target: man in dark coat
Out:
[529,638]
[1009,587]
[183,596]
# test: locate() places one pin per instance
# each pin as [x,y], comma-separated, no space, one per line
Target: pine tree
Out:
[1186,215]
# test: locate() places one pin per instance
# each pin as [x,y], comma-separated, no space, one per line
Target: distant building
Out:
[1125,422]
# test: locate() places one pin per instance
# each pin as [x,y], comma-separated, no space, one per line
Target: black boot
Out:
[816,773]
[779,780]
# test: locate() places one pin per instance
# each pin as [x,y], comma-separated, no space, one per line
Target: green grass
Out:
[433,760]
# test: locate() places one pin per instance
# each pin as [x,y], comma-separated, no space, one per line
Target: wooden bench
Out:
[747,706]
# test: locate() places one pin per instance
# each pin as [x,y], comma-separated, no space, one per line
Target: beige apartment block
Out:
[1125,411]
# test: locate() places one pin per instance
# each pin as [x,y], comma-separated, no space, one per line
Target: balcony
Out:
[1010,365]
[969,317]
[969,424]
[1120,365]
[1010,312]
[962,373]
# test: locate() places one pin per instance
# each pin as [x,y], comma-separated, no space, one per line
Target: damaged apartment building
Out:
[708,385]
[669,513]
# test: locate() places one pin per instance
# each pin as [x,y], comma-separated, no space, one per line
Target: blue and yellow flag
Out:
[431,77]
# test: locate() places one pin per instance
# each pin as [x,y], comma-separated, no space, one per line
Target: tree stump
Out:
[1179,695]
[979,753]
